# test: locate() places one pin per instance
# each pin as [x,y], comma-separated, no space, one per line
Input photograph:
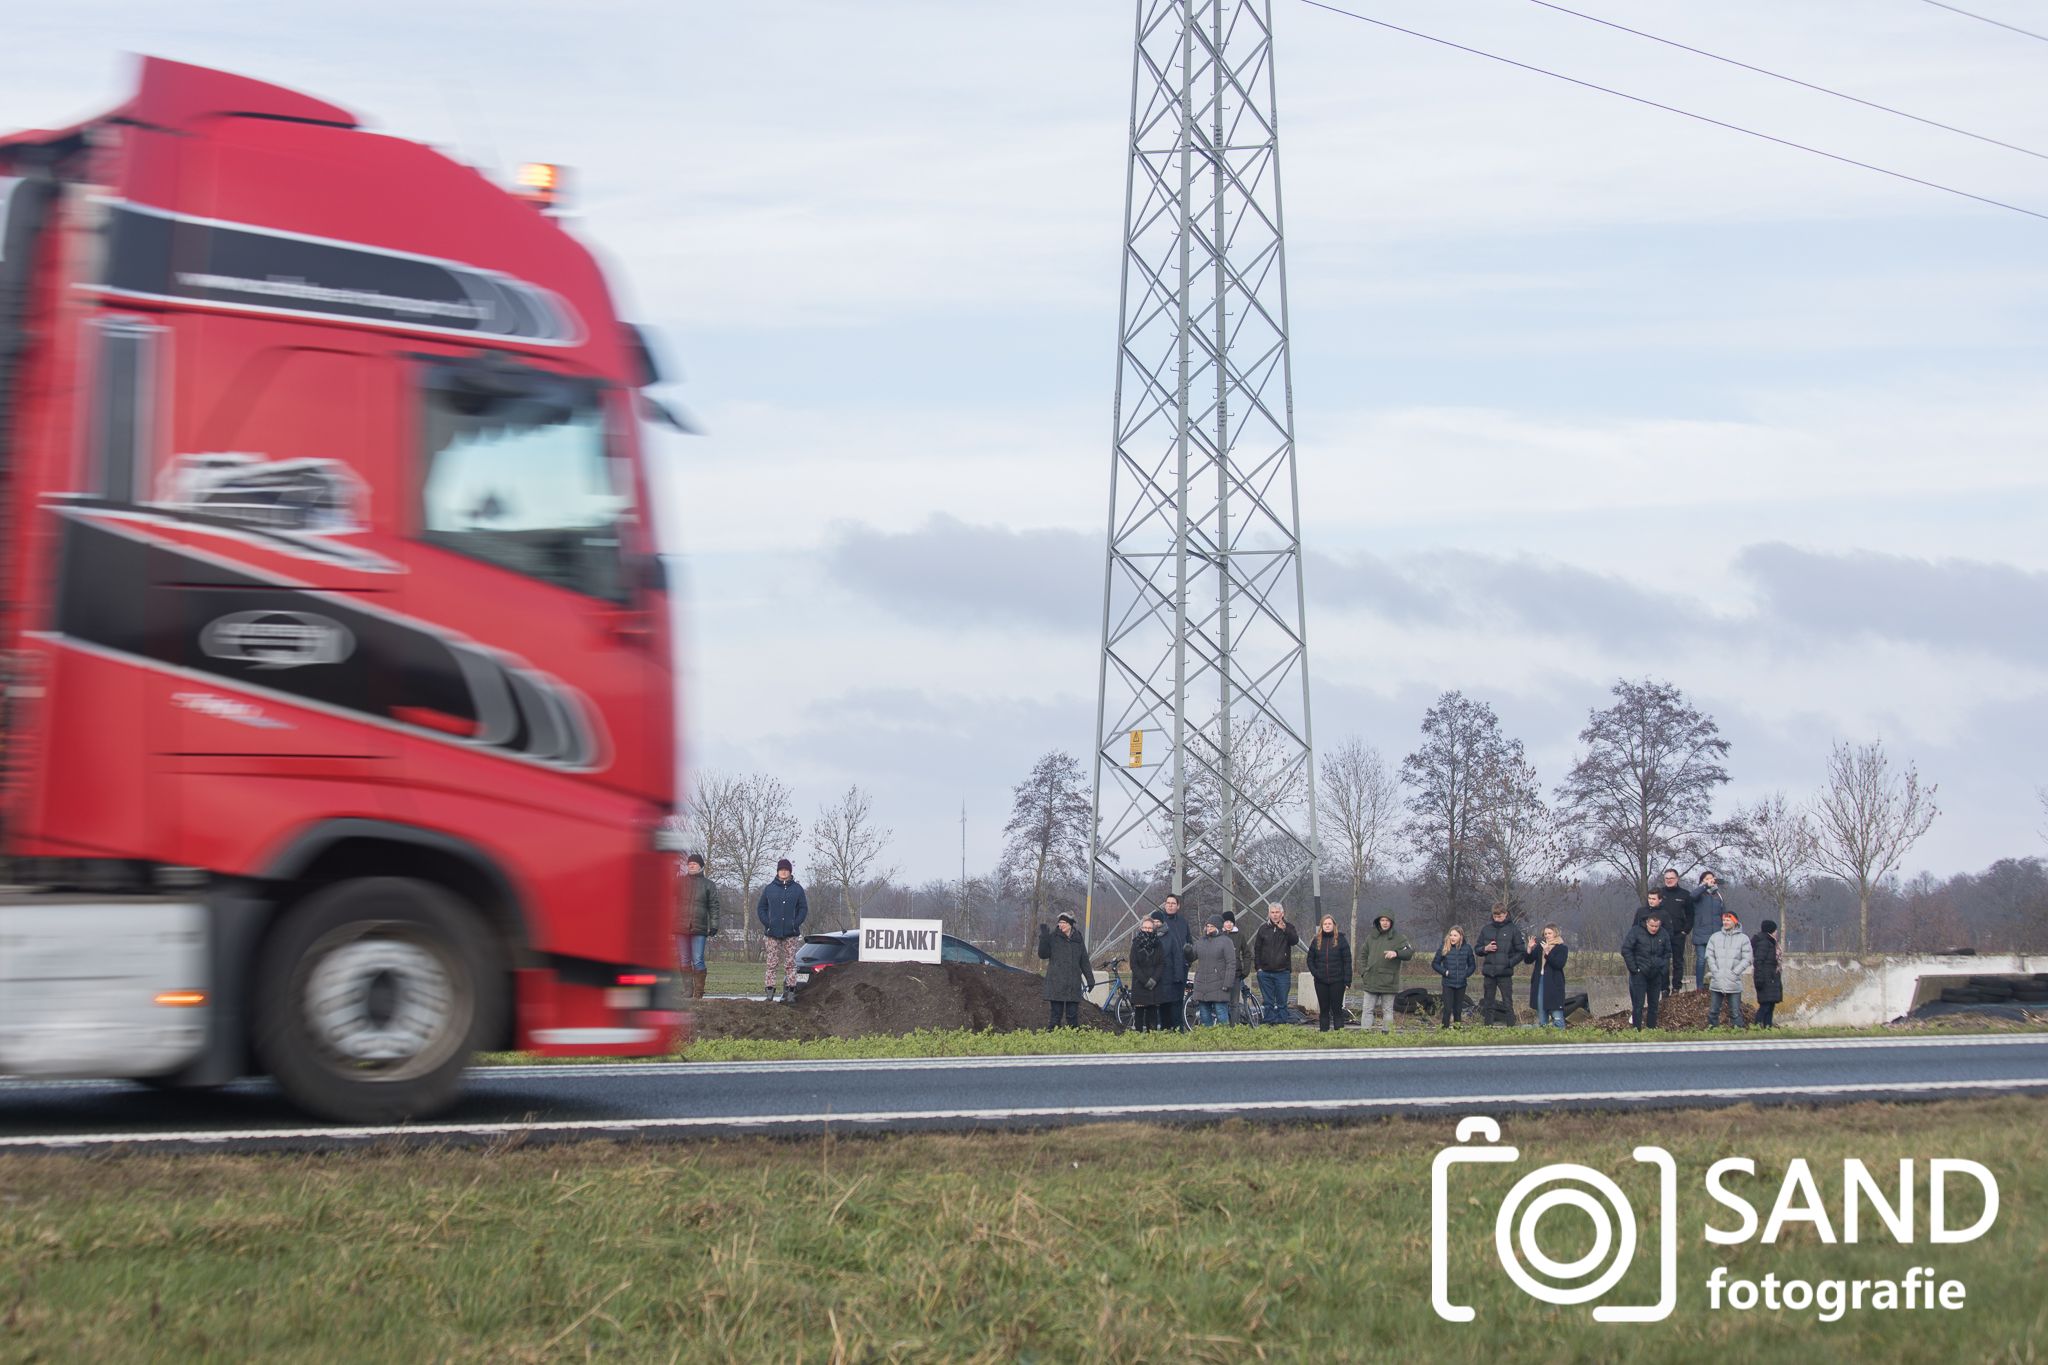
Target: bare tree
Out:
[1268,788]
[1048,829]
[1361,804]
[845,844]
[1449,782]
[1866,818]
[1641,795]
[763,829]
[707,819]
[1522,847]
[1777,852]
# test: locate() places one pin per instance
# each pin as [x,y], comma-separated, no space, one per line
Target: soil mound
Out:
[862,998]
[1683,1012]
[858,999]
[713,1019]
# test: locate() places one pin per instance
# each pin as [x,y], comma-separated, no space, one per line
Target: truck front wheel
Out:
[372,996]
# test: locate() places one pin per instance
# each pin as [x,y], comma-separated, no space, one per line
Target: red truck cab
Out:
[339,709]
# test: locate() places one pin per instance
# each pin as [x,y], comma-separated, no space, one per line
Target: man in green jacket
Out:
[1379,970]
[696,921]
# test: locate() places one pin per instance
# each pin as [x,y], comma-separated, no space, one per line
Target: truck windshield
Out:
[520,474]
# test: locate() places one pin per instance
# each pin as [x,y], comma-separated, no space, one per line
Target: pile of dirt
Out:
[713,1019]
[858,999]
[1683,1012]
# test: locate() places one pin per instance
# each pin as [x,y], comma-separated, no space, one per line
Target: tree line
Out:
[1459,822]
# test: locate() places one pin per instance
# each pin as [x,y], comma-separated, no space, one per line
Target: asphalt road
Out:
[681,1100]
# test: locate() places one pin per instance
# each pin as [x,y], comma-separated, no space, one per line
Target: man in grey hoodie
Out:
[1729,958]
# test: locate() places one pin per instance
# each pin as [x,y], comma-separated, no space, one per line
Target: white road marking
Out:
[1109,1111]
[1071,1059]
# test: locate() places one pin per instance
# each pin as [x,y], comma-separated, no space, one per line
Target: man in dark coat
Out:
[1174,928]
[782,910]
[1768,973]
[1499,951]
[1678,922]
[1273,954]
[1706,922]
[1652,905]
[1245,967]
[1067,973]
[1148,973]
[696,920]
[1646,952]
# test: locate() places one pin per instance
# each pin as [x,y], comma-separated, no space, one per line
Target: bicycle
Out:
[1117,1004]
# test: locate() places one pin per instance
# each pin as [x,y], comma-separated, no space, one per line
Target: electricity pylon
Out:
[1204,757]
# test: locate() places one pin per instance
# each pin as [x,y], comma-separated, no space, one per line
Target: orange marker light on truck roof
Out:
[539,183]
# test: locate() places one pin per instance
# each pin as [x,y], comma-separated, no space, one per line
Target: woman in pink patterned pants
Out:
[782,911]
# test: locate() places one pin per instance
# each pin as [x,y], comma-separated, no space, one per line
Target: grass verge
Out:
[1110,1243]
[1040,1043]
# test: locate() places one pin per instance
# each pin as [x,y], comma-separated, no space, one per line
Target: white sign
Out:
[900,940]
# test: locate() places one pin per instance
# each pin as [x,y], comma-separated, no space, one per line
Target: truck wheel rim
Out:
[382,1006]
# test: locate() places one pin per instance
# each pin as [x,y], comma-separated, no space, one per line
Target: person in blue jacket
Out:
[1546,985]
[782,911]
[1455,963]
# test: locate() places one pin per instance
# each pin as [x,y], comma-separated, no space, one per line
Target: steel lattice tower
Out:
[1204,670]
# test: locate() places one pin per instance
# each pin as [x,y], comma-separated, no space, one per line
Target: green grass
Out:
[1111,1243]
[1039,1043]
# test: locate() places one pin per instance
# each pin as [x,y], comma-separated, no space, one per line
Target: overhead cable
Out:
[1791,80]
[1987,19]
[1683,113]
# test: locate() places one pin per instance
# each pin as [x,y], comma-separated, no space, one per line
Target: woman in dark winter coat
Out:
[1067,972]
[1329,963]
[1546,984]
[1454,962]
[1149,982]
[1768,973]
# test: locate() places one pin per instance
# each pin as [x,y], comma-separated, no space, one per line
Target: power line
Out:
[1792,80]
[1674,109]
[1987,19]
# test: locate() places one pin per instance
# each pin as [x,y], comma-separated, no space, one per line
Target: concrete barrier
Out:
[1852,993]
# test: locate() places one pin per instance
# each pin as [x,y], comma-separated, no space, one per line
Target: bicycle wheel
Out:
[1118,1008]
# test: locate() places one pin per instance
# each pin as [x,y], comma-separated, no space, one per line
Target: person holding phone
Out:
[1546,984]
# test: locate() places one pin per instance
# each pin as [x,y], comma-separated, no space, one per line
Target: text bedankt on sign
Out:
[900,940]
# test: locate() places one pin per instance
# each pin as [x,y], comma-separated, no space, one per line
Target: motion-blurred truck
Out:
[338,707]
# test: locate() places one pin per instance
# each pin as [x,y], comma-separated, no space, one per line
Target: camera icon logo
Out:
[1560,1185]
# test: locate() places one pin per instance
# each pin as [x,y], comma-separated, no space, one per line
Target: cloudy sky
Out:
[1583,389]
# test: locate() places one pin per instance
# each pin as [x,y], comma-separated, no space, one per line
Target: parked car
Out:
[821,952]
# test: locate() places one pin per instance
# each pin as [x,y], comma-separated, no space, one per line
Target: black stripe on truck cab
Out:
[153,253]
[124,593]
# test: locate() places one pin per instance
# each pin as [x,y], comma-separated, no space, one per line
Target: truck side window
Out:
[520,474]
[124,407]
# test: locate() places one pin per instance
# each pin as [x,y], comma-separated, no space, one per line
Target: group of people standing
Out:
[1166,950]
[1503,944]
[1654,954]
[1172,967]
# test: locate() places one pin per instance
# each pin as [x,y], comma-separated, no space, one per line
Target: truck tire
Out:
[371,998]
